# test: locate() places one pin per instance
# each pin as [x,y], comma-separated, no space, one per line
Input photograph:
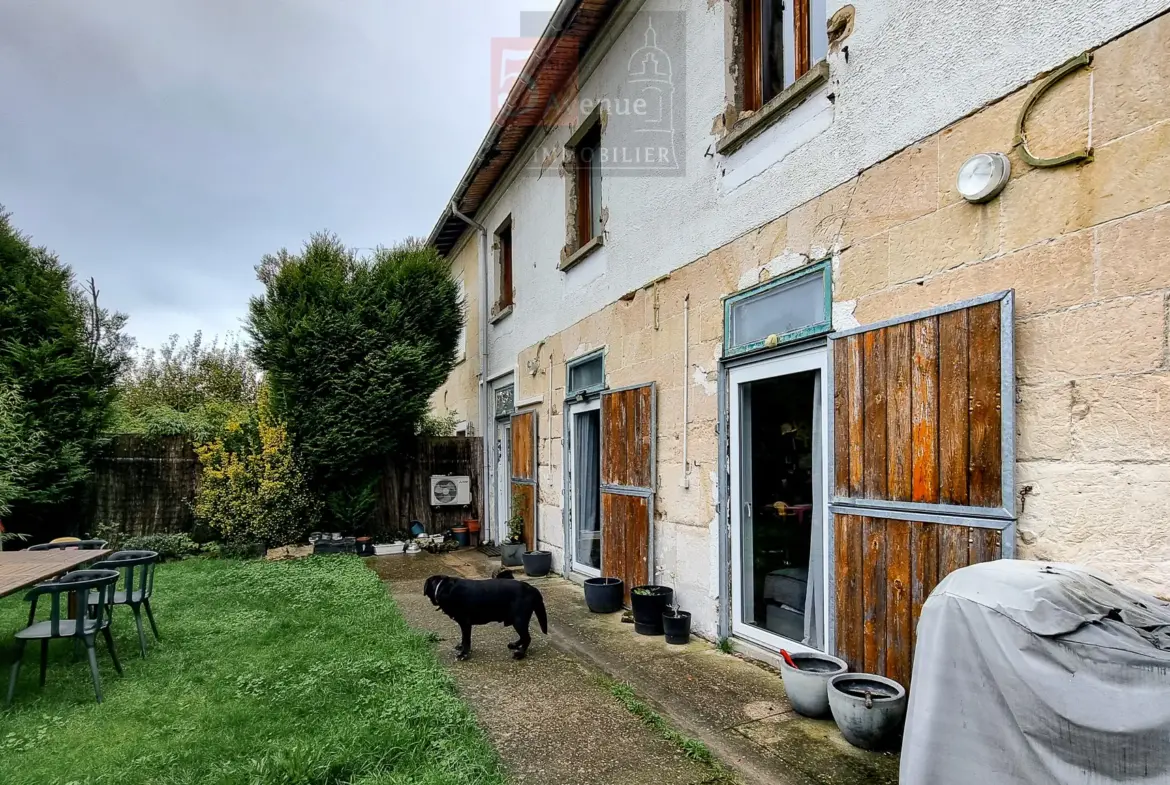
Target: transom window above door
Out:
[784,309]
[585,375]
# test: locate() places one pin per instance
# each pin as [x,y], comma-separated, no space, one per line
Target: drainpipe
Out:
[485,417]
[686,479]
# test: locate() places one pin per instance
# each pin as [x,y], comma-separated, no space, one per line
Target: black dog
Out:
[502,599]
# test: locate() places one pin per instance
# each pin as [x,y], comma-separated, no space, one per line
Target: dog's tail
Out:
[503,574]
[538,609]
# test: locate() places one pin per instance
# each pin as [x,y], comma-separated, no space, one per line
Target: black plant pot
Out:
[649,603]
[536,563]
[677,627]
[604,595]
[511,553]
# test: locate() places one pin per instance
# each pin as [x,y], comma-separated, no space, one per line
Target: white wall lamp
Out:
[983,176]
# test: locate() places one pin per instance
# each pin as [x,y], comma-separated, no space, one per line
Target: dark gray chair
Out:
[137,570]
[81,545]
[76,588]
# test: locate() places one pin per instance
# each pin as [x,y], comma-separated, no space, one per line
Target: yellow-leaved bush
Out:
[252,487]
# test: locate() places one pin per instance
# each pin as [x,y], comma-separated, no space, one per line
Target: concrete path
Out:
[554,721]
[550,717]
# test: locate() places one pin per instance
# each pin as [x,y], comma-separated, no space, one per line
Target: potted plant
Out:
[648,604]
[604,595]
[472,525]
[537,564]
[512,550]
[676,624]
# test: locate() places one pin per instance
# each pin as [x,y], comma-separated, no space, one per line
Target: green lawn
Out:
[292,672]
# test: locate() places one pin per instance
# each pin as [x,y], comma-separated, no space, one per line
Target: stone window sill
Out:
[582,253]
[502,315]
[749,127]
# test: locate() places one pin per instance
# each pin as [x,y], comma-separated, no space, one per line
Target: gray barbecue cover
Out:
[1038,673]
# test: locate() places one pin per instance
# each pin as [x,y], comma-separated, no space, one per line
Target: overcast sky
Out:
[163,146]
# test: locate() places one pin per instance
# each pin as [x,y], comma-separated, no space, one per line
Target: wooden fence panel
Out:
[143,486]
[404,491]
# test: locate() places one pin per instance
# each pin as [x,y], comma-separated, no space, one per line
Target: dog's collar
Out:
[438,586]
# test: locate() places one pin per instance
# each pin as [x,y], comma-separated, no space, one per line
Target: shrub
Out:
[169,547]
[353,349]
[190,390]
[20,448]
[62,352]
[253,489]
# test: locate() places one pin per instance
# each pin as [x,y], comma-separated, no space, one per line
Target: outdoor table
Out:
[21,569]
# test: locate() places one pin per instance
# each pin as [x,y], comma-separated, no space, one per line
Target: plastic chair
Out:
[77,586]
[137,571]
[67,545]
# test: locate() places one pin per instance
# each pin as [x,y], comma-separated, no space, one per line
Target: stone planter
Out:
[868,709]
[511,554]
[536,563]
[807,684]
[604,595]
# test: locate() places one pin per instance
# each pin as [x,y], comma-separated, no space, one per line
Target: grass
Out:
[281,673]
[692,748]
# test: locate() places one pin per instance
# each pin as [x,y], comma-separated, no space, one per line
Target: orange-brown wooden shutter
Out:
[627,484]
[923,469]
[524,473]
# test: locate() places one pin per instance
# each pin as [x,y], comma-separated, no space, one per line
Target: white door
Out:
[779,500]
[502,477]
[583,485]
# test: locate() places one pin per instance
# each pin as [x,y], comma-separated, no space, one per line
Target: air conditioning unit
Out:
[450,491]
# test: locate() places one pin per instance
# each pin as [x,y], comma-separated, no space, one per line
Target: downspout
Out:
[485,418]
[686,478]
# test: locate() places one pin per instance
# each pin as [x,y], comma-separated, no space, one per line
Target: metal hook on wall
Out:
[1082,60]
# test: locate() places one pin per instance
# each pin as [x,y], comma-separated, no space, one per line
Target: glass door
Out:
[584,486]
[503,478]
[779,500]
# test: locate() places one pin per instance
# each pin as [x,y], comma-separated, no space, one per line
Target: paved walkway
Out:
[554,720]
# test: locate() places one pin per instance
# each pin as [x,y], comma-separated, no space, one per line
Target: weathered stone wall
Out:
[1087,249]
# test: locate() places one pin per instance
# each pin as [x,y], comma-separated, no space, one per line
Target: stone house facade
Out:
[806,376]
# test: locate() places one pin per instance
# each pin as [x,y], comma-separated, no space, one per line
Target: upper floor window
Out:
[504,293]
[588,153]
[781,41]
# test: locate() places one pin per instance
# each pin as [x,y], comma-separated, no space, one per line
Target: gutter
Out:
[527,76]
[484,417]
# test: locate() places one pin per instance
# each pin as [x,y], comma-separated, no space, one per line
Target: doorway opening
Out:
[778,537]
[779,500]
[503,475]
[585,485]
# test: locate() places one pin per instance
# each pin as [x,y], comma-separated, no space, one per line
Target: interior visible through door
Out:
[777,537]
[586,473]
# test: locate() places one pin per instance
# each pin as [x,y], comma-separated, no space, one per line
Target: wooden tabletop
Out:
[20,569]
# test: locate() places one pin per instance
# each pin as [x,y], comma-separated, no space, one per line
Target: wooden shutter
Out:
[923,468]
[627,484]
[524,473]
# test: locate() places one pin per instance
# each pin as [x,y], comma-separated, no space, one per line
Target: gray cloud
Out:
[163,146]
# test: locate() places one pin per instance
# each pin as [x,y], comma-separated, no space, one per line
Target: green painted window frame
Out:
[822,268]
[572,394]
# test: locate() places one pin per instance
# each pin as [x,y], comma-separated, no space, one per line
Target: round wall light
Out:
[983,176]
